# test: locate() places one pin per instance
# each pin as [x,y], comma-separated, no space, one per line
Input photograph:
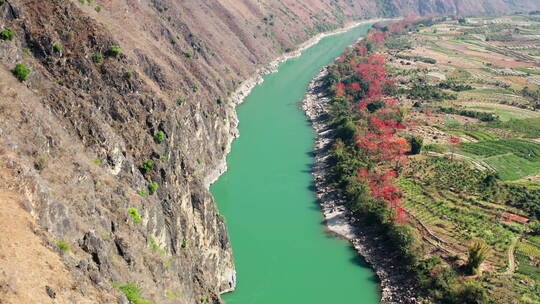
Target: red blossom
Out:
[382,188]
[362,51]
[377,59]
[400,215]
[397,28]
[340,89]
[355,87]
[377,38]
[454,140]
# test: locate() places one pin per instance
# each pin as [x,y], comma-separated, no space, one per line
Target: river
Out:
[282,252]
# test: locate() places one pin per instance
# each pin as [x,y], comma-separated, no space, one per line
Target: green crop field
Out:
[511,167]
[524,251]
[524,127]
[522,148]
[504,113]
[513,159]
[478,135]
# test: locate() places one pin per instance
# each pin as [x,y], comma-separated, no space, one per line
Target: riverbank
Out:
[245,88]
[396,286]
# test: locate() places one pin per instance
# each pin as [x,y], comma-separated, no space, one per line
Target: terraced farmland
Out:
[478,177]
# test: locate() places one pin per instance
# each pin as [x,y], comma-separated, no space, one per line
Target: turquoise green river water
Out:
[282,252]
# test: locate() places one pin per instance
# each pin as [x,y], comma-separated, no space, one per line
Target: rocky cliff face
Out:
[92,129]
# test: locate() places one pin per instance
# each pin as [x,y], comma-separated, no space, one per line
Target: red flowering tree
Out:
[454,143]
[382,188]
[340,89]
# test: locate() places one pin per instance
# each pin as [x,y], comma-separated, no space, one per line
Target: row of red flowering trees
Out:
[363,83]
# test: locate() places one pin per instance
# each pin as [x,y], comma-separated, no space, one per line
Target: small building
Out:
[509,217]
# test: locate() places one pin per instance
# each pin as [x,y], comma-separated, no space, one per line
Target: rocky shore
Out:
[396,285]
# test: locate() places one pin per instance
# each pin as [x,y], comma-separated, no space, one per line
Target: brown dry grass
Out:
[486,56]
[516,82]
[445,59]
[27,266]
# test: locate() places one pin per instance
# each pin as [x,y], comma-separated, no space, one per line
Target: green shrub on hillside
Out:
[399,43]
[455,86]
[115,51]
[417,58]
[471,293]
[135,216]
[521,197]
[436,280]
[483,116]
[221,101]
[404,239]
[7,34]
[153,188]
[63,246]
[535,228]
[415,143]
[132,292]
[97,57]
[21,71]
[147,166]
[444,173]
[40,163]
[426,91]
[57,47]
[160,136]
[155,246]
[477,253]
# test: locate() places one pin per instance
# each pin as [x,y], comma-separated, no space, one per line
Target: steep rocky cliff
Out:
[126,96]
